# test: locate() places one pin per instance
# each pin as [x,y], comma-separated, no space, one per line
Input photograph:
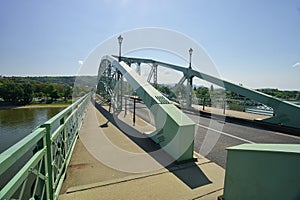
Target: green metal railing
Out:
[51,144]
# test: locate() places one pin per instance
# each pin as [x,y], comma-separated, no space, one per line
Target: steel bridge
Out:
[285,113]
[53,142]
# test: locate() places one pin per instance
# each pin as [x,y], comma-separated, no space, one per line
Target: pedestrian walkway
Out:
[114,160]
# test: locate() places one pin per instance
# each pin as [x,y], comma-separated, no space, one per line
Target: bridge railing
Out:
[51,144]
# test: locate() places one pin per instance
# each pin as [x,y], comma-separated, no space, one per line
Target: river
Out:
[15,124]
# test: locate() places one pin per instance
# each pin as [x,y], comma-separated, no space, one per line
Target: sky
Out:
[253,42]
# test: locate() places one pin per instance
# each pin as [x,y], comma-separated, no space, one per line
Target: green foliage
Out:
[166,91]
[22,90]
[201,92]
[285,95]
[28,93]
[67,93]
[11,92]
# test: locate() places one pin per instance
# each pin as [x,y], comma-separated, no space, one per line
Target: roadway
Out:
[214,135]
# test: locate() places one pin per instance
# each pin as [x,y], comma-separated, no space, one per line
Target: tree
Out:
[11,92]
[67,92]
[52,92]
[202,92]
[54,95]
[166,91]
[28,94]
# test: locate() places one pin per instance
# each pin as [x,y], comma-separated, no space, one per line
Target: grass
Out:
[53,104]
[236,107]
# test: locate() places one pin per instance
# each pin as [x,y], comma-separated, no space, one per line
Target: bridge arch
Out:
[285,113]
[174,130]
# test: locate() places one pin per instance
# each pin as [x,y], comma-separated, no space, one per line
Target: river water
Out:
[15,124]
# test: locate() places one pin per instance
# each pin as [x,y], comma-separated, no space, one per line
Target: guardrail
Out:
[51,144]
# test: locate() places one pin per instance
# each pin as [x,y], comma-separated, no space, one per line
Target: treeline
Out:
[87,81]
[223,98]
[24,90]
[285,95]
[204,92]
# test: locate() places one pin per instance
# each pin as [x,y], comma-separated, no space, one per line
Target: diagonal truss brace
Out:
[286,114]
[174,130]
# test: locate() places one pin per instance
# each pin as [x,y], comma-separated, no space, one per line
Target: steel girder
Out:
[174,130]
[285,113]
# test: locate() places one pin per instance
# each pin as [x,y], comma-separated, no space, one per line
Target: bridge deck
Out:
[127,176]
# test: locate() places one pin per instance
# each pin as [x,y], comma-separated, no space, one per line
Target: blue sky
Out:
[253,42]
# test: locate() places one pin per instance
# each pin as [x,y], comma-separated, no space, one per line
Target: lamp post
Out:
[190,52]
[190,80]
[120,39]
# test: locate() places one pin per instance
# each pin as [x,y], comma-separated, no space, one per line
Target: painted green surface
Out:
[284,148]
[262,171]
[51,144]
[174,130]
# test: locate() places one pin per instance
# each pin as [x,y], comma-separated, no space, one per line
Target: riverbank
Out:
[60,105]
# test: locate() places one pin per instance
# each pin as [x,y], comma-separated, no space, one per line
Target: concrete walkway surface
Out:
[114,160]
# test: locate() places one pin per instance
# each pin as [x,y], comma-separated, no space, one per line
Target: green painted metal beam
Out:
[174,130]
[262,171]
[145,60]
[13,185]
[286,114]
[9,157]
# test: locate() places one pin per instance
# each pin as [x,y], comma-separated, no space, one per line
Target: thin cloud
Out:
[80,62]
[297,64]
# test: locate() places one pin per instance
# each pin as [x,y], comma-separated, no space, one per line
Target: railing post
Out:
[49,161]
[64,146]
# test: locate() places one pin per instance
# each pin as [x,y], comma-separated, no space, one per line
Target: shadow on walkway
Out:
[189,172]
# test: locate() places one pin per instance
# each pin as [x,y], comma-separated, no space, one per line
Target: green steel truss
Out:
[51,146]
[285,113]
[174,130]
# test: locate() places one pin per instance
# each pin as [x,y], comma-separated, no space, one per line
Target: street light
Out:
[190,80]
[120,39]
[190,52]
